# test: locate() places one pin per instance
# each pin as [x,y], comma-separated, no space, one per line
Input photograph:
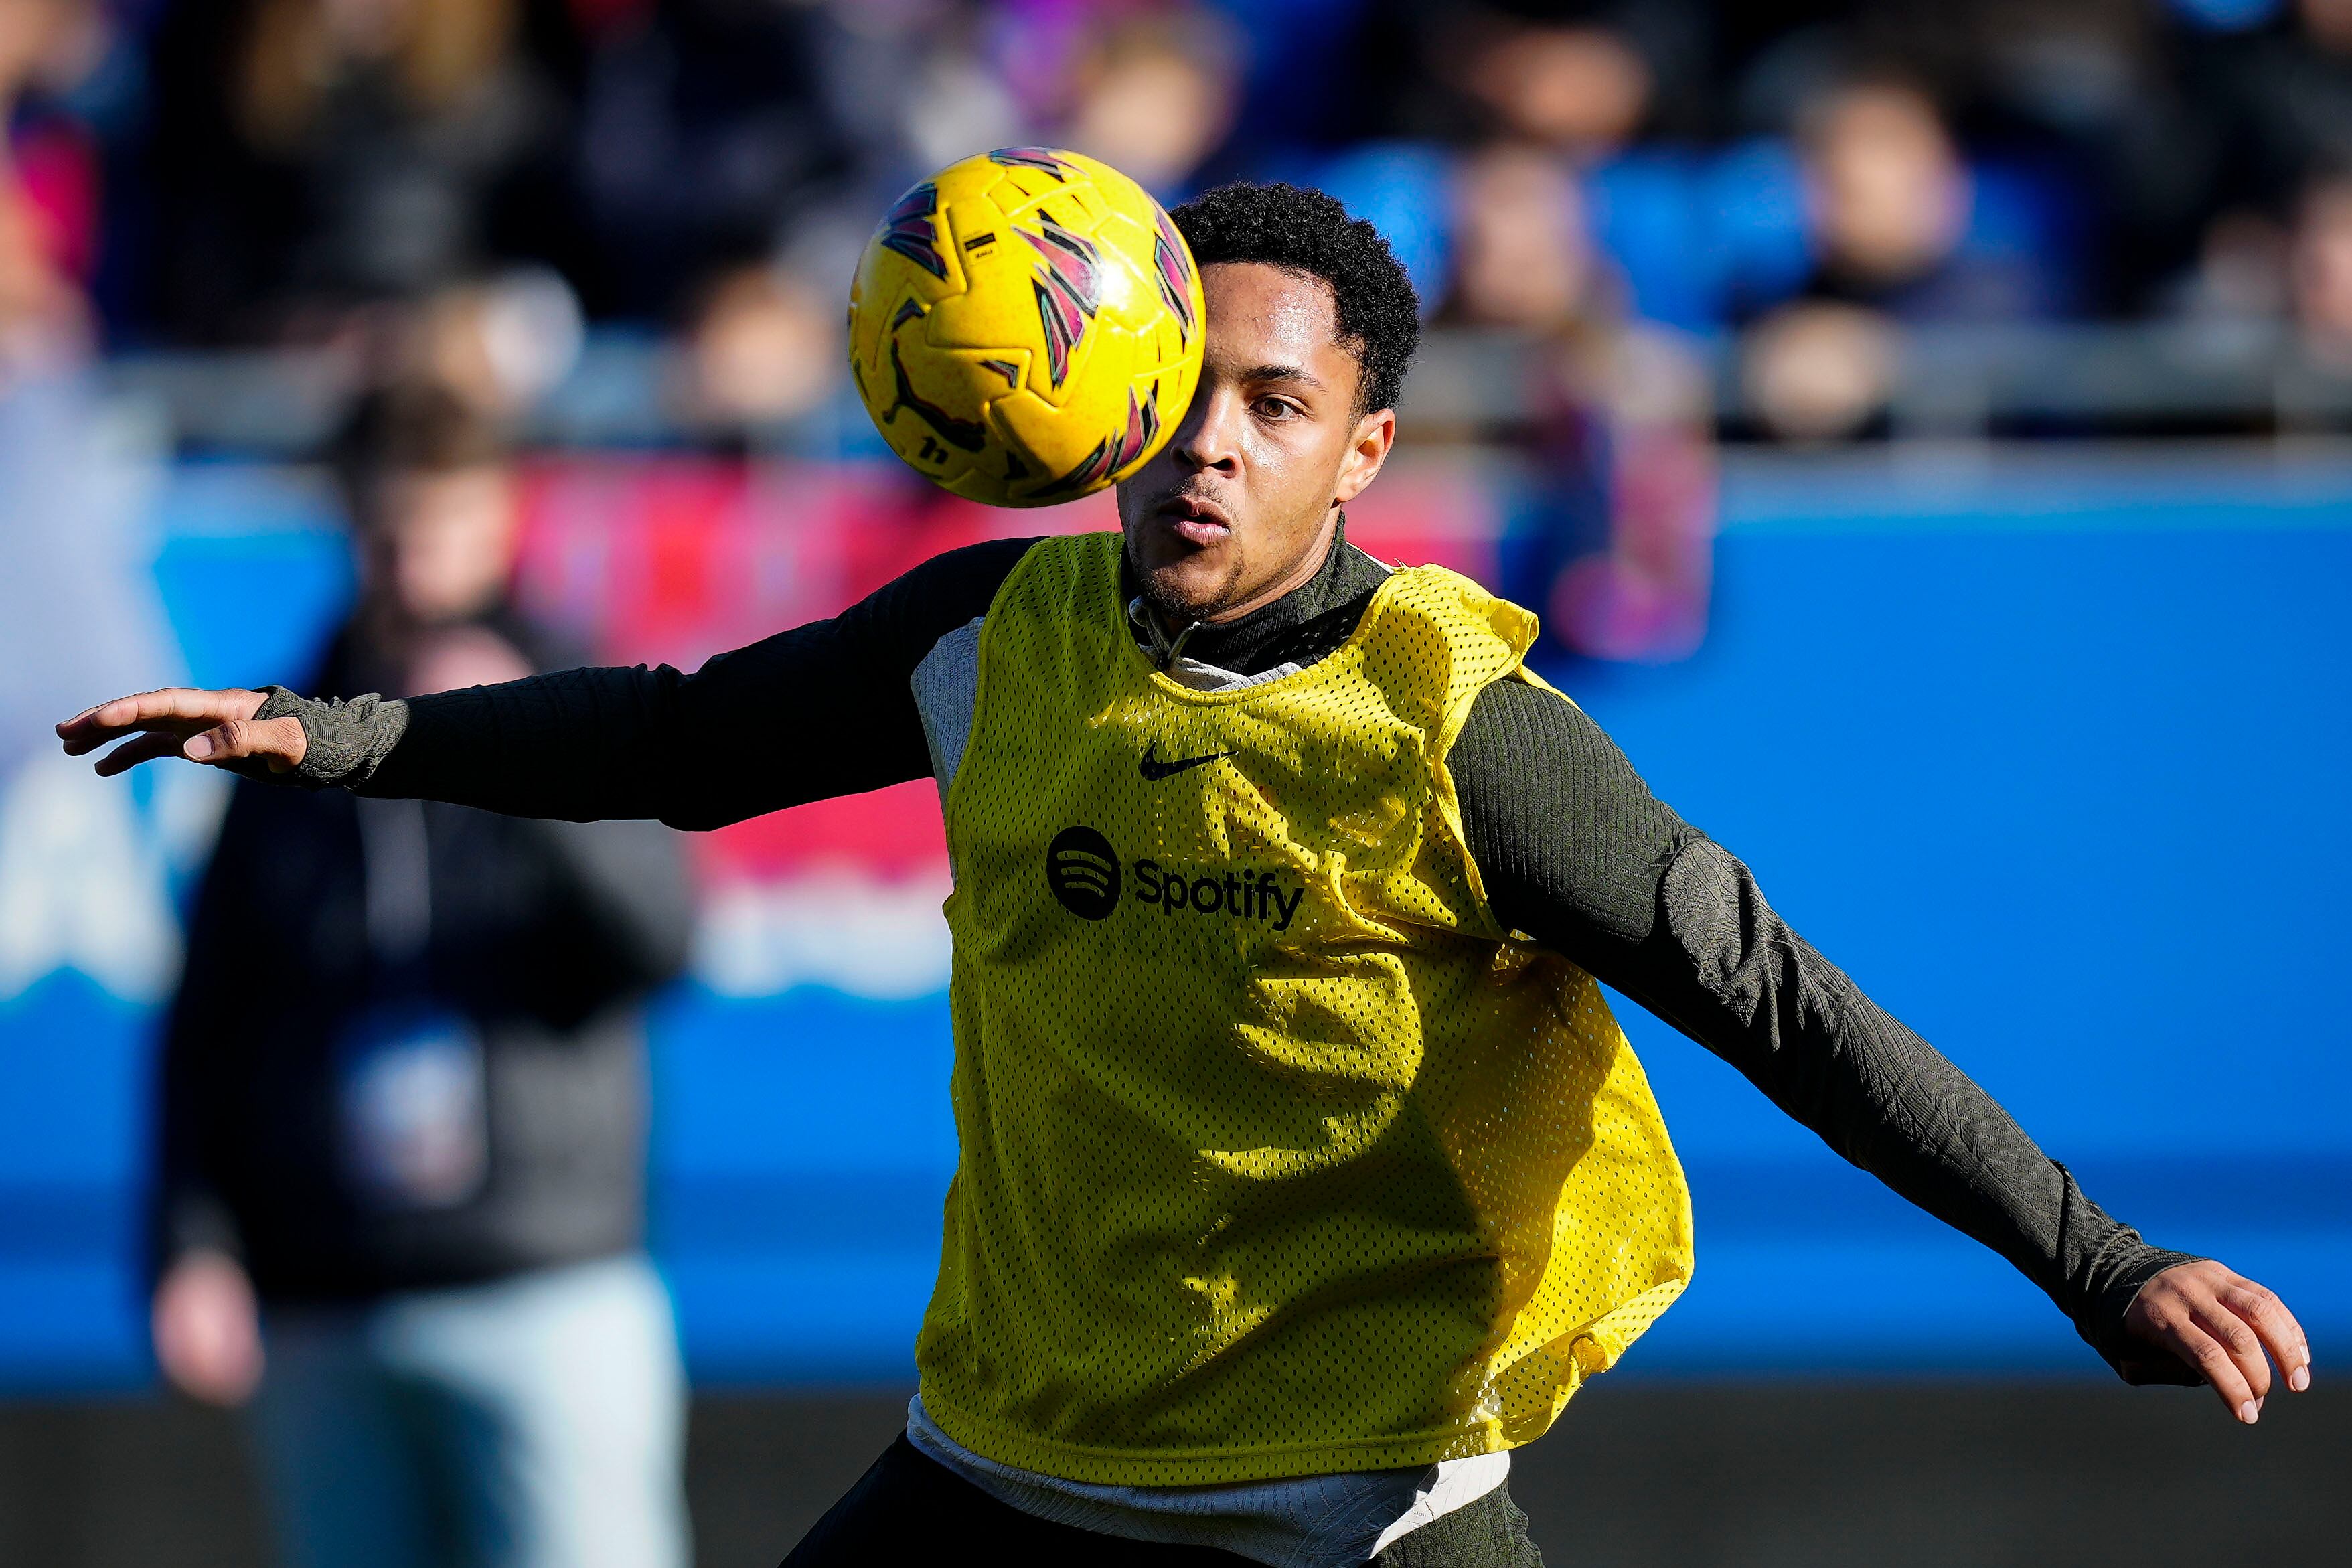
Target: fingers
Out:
[277,741]
[2227,1327]
[2263,1311]
[2244,1349]
[2216,1365]
[188,708]
[2167,1312]
[146,748]
[216,727]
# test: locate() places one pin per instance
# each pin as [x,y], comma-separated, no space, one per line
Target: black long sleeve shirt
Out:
[1573,849]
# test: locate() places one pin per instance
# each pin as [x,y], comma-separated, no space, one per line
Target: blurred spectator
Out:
[1523,254]
[400,1182]
[1619,426]
[915,84]
[44,324]
[1577,76]
[1153,95]
[49,198]
[1699,232]
[320,153]
[2279,100]
[495,345]
[2284,96]
[2084,100]
[1889,198]
[1819,370]
[2241,274]
[78,603]
[1889,203]
[2321,269]
[763,347]
[1581,89]
[709,167]
[710,133]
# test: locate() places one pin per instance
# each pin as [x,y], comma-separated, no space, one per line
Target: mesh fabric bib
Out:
[1278,1157]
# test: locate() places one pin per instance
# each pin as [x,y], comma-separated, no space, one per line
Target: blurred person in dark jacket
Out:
[402,1195]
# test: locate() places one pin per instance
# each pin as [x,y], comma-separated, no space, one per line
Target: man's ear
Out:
[1368,449]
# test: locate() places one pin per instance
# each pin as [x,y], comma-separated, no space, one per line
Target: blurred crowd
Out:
[244,171]
[464,192]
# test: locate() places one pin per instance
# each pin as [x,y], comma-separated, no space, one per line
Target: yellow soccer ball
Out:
[1025,327]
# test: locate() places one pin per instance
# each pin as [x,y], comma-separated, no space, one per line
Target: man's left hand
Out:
[2227,1327]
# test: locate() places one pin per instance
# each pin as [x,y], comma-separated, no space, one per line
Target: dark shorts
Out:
[910,1509]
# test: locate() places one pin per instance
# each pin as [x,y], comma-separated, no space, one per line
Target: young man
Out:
[1303,1172]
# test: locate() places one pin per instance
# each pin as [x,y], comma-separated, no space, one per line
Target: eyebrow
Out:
[1297,372]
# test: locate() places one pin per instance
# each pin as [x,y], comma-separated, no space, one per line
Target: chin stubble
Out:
[1178,610]
[1184,610]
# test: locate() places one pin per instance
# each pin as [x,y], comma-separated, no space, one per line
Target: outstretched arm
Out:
[821,710]
[1576,852]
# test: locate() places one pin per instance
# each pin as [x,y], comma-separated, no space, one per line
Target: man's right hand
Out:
[208,1329]
[215,728]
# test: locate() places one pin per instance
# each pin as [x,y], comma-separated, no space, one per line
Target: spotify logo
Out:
[1083,871]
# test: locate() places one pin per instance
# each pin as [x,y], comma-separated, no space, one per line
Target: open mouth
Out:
[1195,520]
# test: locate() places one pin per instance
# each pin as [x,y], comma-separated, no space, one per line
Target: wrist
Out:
[2106,1323]
[343,741]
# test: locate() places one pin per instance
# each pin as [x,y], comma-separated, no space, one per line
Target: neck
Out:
[1302,571]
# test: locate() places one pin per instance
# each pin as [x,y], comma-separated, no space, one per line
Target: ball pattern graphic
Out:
[1025,327]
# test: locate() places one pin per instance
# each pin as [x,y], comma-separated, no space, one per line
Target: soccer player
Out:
[1303,1172]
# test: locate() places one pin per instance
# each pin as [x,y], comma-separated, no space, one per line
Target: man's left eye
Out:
[1272,409]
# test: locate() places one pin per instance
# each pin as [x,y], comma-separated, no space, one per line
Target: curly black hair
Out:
[1306,232]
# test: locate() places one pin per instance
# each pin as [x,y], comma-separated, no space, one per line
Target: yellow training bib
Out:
[1279,1156]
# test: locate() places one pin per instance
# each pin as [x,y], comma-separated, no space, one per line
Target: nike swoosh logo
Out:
[1152,768]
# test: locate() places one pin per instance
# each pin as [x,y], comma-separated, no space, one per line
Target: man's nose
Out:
[1208,436]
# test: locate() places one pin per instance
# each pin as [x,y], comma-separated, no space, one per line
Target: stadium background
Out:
[1922,426]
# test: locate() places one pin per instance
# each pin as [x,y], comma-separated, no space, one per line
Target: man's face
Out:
[1235,510]
[440,544]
